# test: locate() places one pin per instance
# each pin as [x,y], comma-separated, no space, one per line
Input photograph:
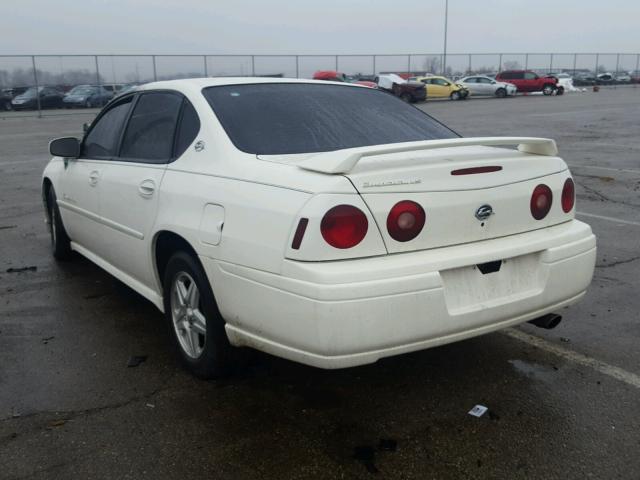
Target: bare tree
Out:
[511,65]
[431,64]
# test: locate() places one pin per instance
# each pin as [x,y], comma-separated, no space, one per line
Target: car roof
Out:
[200,83]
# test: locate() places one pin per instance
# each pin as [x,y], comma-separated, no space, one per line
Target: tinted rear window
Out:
[290,118]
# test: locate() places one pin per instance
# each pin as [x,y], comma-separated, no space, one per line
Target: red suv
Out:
[528,81]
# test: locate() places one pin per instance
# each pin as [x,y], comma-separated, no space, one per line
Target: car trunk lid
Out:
[451,181]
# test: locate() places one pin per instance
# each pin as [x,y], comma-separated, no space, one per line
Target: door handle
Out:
[94,177]
[146,188]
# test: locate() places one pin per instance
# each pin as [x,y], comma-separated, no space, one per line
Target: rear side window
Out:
[530,76]
[188,128]
[102,139]
[150,132]
[471,80]
[290,118]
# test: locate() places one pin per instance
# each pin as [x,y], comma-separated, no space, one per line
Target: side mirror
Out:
[65,147]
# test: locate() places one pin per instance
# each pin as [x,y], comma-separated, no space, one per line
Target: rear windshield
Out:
[290,118]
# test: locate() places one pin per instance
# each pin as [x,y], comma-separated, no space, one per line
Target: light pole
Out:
[446,20]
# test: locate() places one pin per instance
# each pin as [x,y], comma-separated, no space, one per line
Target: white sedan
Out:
[327,223]
[480,85]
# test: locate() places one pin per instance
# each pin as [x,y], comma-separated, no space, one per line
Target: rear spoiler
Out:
[343,161]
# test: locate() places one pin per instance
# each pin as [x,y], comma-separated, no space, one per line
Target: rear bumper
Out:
[346,313]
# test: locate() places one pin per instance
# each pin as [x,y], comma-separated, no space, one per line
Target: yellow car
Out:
[441,87]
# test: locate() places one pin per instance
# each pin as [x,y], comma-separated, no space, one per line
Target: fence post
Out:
[637,65]
[336,63]
[469,70]
[374,65]
[500,64]
[95,58]
[597,60]
[617,63]
[297,67]
[526,61]
[206,67]
[575,61]
[409,63]
[35,80]
[551,63]
[253,65]
[155,74]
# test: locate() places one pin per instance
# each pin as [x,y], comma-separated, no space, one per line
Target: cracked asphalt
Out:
[70,408]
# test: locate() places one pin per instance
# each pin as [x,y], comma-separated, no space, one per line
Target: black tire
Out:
[455,96]
[405,97]
[501,93]
[559,90]
[548,89]
[60,242]
[216,358]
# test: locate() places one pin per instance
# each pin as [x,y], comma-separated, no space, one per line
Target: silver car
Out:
[481,85]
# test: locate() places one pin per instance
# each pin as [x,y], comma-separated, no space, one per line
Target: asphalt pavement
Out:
[562,404]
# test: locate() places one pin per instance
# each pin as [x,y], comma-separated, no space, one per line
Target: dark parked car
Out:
[398,86]
[5,100]
[88,96]
[49,98]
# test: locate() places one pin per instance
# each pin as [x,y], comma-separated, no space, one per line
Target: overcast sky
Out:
[326,26]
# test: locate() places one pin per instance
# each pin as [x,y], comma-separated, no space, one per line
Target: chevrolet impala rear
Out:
[409,236]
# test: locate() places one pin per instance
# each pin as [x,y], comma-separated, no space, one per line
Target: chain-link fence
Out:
[43,80]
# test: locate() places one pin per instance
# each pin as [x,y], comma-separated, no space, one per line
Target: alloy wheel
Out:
[189,322]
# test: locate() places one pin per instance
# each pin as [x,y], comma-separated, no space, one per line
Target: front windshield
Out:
[83,90]
[31,91]
[293,118]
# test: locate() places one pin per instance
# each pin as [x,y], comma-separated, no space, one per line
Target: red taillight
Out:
[568,196]
[405,221]
[541,201]
[344,226]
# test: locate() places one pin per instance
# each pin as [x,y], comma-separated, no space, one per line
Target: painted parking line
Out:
[609,219]
[575,357]
[607,169]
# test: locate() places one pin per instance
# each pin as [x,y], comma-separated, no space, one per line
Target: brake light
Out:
[344,226]
[475,170]
[541,200]
[568,195]
[405,220]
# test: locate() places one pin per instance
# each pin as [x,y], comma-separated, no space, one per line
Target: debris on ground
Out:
[387,445]
[31,268]
[478,411]
[57,423]
[7,227]
[136,360]
[46,340]
[565,340]
[93,296]
[151,405]
[366,455]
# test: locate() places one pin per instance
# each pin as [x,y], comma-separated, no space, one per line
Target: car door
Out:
[530,82]
[80,182]
[473,85]
[434,90]
[131,183]
[486,86]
